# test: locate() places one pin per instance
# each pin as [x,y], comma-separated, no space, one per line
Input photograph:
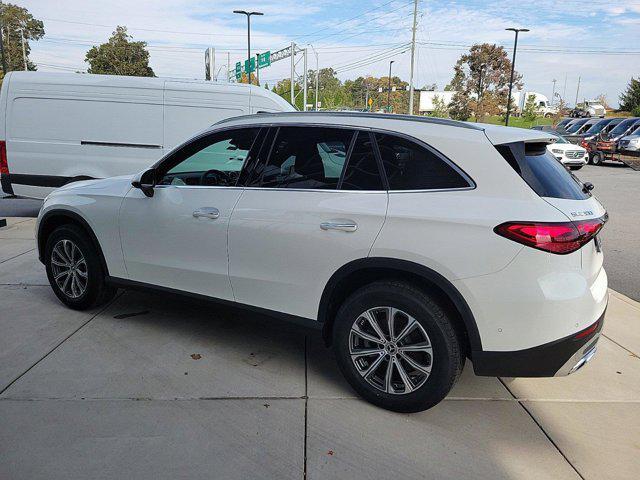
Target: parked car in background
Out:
[574,126]
[631,141]
[605,147]
[576,134]
[57,128]
[563,123]
[413,243]
[570,155]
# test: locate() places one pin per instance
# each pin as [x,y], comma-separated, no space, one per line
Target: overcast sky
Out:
[598,40]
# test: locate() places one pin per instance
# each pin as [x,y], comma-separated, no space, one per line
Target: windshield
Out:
[597,128]
[560,139]
[576,126]
[622,127]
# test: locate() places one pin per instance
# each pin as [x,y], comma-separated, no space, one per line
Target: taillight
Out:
[560,237]
[4,166]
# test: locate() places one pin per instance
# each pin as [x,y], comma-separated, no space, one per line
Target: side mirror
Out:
[145,182]
[587,187]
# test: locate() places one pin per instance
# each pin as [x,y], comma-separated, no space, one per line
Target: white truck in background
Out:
[58,128]
[543,105]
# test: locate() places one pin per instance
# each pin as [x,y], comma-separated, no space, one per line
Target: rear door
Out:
[316,202]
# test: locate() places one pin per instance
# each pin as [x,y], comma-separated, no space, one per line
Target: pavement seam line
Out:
[16,256]
[306,407]
[542,429]
[621,346]
[59,344]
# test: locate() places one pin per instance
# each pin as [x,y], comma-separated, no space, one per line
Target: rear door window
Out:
[306,158]
[542,172]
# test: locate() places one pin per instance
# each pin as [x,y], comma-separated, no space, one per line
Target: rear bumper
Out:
[557,358]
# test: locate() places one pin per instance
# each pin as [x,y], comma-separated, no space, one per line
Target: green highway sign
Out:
[264,59]
[239,70]
[250,65]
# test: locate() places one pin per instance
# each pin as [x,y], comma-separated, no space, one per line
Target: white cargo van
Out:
[56,128]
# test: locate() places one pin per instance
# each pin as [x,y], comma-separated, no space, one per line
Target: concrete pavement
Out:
[157,387]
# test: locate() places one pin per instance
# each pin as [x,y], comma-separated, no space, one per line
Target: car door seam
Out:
[233,293]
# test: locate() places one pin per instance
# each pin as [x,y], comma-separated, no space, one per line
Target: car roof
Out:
[497,134]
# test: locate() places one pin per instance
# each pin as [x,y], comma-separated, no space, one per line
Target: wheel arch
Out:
[58,217]
[358,273]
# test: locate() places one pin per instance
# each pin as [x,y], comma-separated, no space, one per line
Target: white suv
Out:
[413,243]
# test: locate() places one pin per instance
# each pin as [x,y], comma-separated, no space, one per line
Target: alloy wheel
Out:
[69,269]
[391,350]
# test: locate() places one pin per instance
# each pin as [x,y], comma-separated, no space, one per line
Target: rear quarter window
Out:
[541,171]
[410,166]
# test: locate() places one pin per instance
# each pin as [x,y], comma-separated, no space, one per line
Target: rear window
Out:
[542,172]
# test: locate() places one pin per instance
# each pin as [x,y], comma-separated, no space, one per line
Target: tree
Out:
[120,56]
[529,112]
[630,99]
[482,74]
[440,109]
[602,99]
[18,23]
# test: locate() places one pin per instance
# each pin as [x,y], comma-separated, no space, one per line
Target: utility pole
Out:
[228,67]
[248,14]
[293,73]
[257,69]
[315,108]
[389,89]
[577,91]
[413,53]
[564,92]
[553,94]
[24,51]
[513,67]
[304,76]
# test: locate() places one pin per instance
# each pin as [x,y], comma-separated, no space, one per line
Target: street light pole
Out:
[389,89]
[248,14]
[513,67]
[482,65]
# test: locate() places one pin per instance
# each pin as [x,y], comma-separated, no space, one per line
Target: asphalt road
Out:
[616,186]
[618,189]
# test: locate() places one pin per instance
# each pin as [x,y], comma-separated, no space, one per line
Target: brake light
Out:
[587,331]
[4,166]
[556,237]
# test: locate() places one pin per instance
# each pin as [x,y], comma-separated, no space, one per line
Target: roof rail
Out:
[385,116]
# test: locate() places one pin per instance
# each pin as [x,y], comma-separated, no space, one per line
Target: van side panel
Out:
[61,131]
[191,107]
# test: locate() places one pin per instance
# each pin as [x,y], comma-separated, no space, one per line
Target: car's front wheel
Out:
[397,347]
[74,269]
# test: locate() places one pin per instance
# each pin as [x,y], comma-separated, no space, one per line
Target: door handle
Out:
[342,225]
[207,212]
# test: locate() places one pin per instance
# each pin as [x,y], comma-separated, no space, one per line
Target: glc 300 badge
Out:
[585,213]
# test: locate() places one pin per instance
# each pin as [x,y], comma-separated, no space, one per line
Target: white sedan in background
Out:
[570,155]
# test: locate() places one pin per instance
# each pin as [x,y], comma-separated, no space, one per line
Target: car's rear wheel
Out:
[397,347]
[74,269]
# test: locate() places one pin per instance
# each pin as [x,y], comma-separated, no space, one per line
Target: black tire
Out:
[597,158]
[96,292]
[447,359]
